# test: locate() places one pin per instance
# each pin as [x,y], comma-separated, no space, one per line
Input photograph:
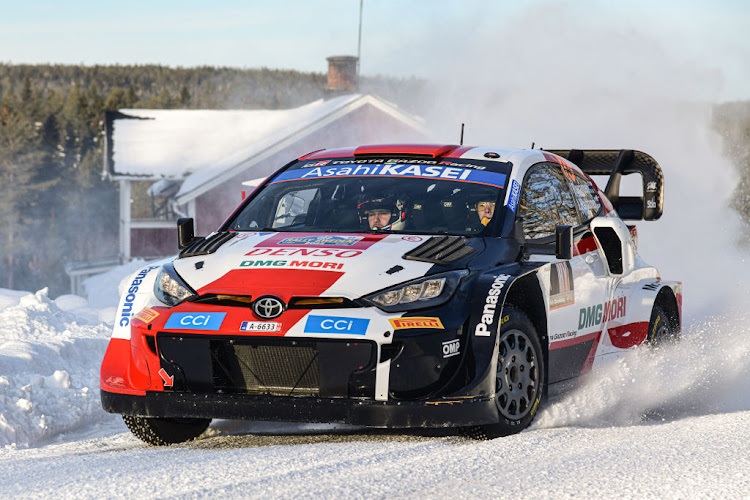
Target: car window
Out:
[293,206]
[546,201]
[589,204]
[352,195]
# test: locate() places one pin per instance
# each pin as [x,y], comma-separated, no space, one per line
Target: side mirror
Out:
[185,232]
[564,242]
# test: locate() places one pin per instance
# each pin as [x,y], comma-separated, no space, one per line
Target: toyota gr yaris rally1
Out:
[394,286]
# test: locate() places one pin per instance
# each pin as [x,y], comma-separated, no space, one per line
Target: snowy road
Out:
[670,424]
[691,457]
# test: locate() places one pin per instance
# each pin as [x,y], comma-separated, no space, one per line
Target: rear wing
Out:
[618,162]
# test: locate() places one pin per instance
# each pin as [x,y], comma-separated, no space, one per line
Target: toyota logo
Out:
[268,307]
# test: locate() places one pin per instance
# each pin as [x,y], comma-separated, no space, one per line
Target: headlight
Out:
[169,287]
[425,292]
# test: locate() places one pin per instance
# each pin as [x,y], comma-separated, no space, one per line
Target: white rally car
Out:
[394,286]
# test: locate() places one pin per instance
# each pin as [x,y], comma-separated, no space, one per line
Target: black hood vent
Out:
[207,245]
[440,250]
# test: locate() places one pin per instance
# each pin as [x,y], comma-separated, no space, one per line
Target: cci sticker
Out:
[332,324]
[195,321]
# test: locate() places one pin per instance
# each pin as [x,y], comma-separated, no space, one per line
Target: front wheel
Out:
[164,431]
[519,378]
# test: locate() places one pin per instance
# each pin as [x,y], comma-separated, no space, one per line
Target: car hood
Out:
[304,264]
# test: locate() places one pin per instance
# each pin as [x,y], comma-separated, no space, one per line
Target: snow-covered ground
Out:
[668,424]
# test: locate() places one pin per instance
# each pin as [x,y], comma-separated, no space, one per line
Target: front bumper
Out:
[447,412]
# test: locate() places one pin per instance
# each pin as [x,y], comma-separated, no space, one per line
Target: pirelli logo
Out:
[416,322]
[147,315]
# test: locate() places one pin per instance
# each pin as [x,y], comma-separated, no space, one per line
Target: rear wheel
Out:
[519,378]
[164,431]
[661,330]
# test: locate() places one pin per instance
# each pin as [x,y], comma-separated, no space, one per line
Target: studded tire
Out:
[520,377]
[165,431]
[661,329]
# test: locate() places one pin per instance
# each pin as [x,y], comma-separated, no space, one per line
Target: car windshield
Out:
[354,195]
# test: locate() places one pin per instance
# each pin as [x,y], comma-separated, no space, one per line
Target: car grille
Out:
[266,369]
[268,366]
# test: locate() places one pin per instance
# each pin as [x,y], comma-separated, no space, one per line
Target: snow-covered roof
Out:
[207,147]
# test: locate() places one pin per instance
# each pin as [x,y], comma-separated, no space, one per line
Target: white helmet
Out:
[395,206]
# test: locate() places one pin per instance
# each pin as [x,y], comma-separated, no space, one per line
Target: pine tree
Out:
[21,185]
[184,97]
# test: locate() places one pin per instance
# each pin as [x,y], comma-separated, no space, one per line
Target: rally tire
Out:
[661,330]
[520,377]
[165,431]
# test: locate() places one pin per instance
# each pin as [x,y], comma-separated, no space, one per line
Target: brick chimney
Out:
[342,74]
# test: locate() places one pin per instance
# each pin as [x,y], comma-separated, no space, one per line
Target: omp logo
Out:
[601,313]
[416,322]
[127,306]
[490,304]
[336,324]
[313,264]
[451,348]
[194,321]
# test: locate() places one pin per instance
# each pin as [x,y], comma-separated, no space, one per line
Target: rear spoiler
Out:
[616,163]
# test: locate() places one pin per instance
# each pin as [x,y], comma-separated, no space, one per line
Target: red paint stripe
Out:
[117,372]
[574,341]
[456,153]
[592,354]
[329,153]
[627,336]
[586,245]
[434,150]
[621,337]
[281,283]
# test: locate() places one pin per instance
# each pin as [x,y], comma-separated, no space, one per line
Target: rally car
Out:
[395,286]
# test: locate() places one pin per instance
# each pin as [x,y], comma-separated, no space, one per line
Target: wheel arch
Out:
[525,294]
[667,301]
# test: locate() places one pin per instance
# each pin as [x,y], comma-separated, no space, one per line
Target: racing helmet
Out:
[480,205]
[396,207]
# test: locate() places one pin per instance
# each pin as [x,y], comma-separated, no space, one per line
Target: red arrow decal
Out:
[168,379]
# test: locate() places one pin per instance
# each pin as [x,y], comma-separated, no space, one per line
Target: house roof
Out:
[204,148]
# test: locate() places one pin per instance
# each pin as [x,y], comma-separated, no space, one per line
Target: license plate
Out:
[260,326]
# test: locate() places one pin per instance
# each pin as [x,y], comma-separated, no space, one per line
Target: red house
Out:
[193,163]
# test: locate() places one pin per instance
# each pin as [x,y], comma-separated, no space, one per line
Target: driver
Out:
[386,214]
[485,211]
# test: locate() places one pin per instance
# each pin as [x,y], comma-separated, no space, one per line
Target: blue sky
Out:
[423,38]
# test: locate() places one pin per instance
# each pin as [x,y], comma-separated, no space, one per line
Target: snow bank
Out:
[49,365]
